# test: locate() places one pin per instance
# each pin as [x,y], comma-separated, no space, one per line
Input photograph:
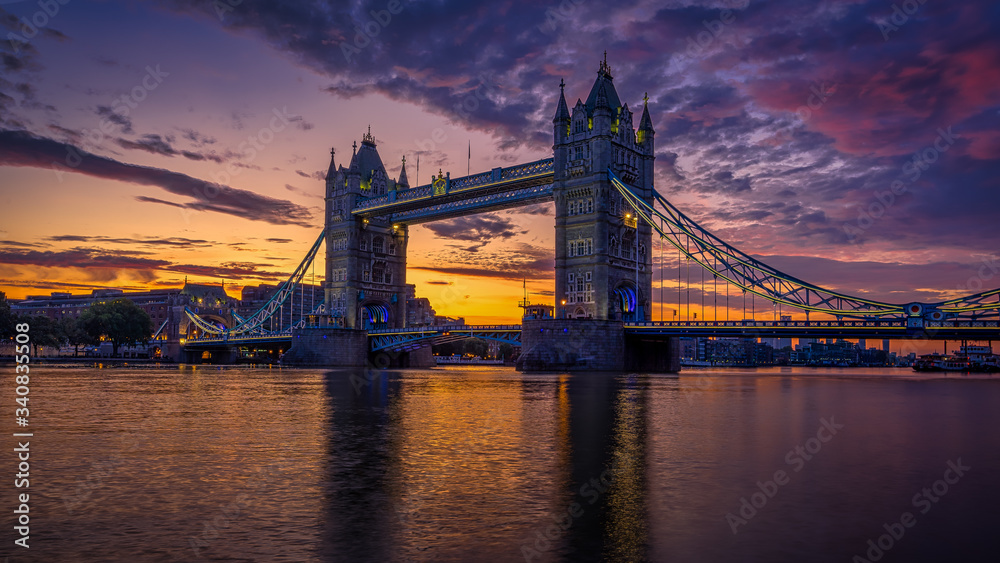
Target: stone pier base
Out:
[418,358]
[653,355]
[571,345]
[593,345]
[334,347]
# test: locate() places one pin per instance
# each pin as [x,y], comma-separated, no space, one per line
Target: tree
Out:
[43,330]
[476,347]
[73,334]
[506,351]
[121,322]
[7,318]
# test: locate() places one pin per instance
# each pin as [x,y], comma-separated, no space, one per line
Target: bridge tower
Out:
[603,255]
[365,258]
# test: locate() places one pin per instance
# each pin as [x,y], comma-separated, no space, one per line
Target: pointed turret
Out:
[645,123]
[403,182]
[331,172]
[645,134]
[562,111]
[353,167]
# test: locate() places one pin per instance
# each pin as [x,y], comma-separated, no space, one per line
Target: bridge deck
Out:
[411,337]
[500,188]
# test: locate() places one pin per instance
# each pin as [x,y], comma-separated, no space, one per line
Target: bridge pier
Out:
[572,345]
[327,346]
[215,355]
[421,357]
[657,355]
[592,345]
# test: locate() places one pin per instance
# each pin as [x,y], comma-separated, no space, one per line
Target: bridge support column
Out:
[326,346]
[660,355]
[418,358]
[572,345]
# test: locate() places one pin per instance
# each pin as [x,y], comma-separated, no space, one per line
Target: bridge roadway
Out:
[406,339]
[500,188]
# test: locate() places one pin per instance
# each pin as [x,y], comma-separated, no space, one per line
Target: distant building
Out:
[418,309]
[538,311]
[165,308]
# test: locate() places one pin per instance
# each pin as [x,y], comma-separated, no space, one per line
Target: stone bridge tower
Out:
[365,259]
[603,258]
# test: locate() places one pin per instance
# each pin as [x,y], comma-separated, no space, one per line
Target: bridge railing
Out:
[446,328]
[771,324]
[500,175]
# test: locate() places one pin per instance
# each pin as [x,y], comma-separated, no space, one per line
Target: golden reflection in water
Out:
[626,530]
[465,439]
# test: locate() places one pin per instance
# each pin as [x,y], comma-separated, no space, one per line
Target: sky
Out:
[852,144]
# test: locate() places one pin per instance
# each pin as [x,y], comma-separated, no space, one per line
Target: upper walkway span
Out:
[444,197]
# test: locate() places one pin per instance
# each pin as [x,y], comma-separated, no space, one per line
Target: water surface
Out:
[487,464]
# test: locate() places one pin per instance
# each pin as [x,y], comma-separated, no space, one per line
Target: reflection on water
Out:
[484,463]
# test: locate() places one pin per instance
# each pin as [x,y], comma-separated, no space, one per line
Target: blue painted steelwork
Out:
[404,339]
[253,322]
[846,328]
[750,274]
[471,194]
[481,204]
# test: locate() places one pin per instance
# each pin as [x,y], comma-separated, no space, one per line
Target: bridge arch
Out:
[192,330]
[626,300]
[375,315]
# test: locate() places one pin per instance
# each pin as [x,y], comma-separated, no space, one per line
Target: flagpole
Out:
[417,181]
[468,166]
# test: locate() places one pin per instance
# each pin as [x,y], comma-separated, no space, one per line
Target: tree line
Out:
[120,321]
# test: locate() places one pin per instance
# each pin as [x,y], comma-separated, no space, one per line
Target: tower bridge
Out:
[600,178]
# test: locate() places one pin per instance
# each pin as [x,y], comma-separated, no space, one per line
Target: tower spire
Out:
[332,170]
[562,111]
[403,182]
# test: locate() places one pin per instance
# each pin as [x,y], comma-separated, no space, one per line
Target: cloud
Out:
[303,192]
[520,260]
[19,148]
[122,121]
[147,241]
[82,257]
[150,143]
[22,244]
[479,229]
[108,265]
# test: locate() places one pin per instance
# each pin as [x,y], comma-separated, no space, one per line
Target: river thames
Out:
[488,464]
